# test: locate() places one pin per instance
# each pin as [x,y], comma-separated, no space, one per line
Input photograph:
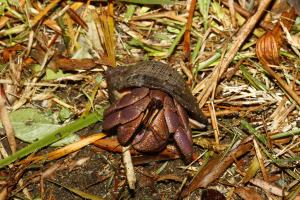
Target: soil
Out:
[101,173]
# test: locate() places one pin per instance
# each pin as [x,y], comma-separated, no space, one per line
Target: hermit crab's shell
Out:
[156,75]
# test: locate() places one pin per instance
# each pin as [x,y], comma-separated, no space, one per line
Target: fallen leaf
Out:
[215,168]
[112,144]
[169,177]
[252,170]
[78,192]
[247,193]
[268,46]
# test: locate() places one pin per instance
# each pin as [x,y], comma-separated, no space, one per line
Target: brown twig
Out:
[229,74]
[214,122]
[232,13]
[10,133]
[260,159]
[282,84]
[75,16]
[187,34]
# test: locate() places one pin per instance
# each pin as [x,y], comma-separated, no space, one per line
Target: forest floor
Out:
[240,60]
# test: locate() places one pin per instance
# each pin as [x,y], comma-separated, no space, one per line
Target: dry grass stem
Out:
[261,159]
[55,57]
[130,174]
[9,130]
[214,122]
[228,57]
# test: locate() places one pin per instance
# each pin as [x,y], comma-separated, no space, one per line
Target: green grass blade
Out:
[176,41]
[207,62]
[252,80]
[130,11]
[78,192]
[262,138]
[196,49]
[286,134]
[204,8]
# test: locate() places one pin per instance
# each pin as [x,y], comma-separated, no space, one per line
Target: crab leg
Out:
[183,117]
[184,144]
[171,116]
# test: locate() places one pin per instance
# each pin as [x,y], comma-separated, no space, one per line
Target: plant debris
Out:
[240,60]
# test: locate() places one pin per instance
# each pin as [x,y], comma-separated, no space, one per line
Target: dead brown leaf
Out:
[215,168]
[112,144]
[247,193]
[267,47]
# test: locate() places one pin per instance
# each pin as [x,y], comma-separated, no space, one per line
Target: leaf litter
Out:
[241,63]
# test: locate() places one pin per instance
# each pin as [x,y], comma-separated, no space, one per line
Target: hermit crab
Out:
[154,108]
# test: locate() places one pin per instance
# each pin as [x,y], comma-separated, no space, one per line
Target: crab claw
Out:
[133,96]
[126,115]
[146,141]
[126,131]
[154,138]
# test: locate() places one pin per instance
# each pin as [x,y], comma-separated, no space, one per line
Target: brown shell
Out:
[156,75]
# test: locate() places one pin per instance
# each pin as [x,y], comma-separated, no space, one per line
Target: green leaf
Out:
[51,75]
[67,140]
[54,136]
[64,114]
[130,11]
[30,124]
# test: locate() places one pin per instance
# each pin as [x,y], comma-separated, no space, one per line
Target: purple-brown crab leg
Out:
[177,122]
[171,116]
[183,117]
[184,144]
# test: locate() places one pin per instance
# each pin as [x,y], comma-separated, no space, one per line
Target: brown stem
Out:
[187,34]
[7,125]
[282,84]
